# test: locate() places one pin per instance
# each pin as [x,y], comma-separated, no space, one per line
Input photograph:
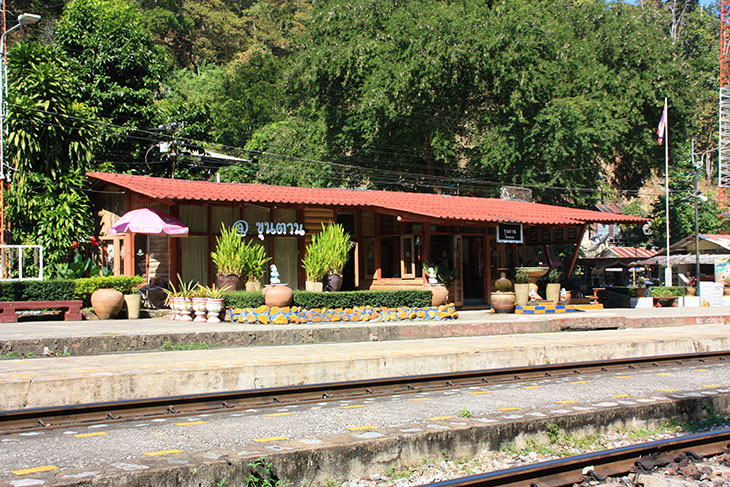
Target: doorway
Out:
[472,266]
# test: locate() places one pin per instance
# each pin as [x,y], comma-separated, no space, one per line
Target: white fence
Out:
[21,262]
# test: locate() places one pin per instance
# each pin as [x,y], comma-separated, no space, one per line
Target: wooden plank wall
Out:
[313,220]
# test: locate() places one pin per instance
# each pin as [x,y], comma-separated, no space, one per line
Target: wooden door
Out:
[458,287]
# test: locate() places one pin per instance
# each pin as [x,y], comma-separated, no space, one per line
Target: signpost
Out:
[509,233]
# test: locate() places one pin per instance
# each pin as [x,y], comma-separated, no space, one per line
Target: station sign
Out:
[509,233]
[269,228]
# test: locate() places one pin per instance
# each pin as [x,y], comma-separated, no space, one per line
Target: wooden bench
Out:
[8,309]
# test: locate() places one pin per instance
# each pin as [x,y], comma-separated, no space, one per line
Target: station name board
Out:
[269,228]
[509,233]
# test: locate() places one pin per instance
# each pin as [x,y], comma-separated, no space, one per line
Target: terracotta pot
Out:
[439,294]
[503,284]
[522,293]
[690,291]
[640,292]
[333,282]
[552,292]
[726,291]
[278,295]
[230,280]
[134,303]
[503,302]
[107,303]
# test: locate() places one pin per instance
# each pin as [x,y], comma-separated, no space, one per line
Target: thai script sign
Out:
[509,233]
[269,228]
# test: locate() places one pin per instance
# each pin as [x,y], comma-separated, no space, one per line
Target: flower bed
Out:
[295,314]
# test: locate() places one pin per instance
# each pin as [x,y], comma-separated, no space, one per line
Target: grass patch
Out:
[169,346]
[15,355]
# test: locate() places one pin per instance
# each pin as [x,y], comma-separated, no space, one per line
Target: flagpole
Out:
[668,270]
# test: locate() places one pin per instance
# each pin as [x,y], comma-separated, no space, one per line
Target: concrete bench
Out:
[8,309]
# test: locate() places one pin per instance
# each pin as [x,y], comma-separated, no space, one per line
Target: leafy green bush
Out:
[243,299]
[662,291]
[124,284]
[61,290]
[349,299]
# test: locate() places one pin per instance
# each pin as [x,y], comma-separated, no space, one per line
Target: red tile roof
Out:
[409,205]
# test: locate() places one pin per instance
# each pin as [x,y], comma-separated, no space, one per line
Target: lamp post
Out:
[23,19]
[696,195]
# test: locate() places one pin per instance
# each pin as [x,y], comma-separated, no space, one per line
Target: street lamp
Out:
[23,19]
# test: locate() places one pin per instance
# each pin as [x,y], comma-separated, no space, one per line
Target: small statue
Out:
[274,275]
[563,294]
[432,279]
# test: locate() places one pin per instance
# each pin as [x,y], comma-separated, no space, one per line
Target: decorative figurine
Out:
[432,279]
[274,275]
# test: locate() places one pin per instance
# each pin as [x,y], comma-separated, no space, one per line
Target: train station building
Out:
[395,233]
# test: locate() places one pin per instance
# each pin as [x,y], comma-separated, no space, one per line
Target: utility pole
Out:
[697,217]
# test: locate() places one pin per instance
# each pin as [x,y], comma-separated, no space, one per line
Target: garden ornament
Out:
[274,275]
[432,276]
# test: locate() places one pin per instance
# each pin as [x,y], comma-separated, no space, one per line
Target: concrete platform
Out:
[62,338]
[71,380]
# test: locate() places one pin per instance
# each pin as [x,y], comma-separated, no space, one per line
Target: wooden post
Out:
[575,252]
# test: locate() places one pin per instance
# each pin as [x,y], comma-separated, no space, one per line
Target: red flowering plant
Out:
[87,261]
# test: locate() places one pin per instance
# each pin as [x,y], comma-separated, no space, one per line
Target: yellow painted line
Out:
[623,377]
[580,382]
[566,402]
[508,409]
[162,452]
[353,407]
[270,438]
[26,471]
[701,370]
[619,396]
[532,387]
[366,427]
[440,418]
[480,392]
[274,415]
[668,390]
[711,386]
[664,373]
[20,375]
[190,423]
[89,435]
[420,399]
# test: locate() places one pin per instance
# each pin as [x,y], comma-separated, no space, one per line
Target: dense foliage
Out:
[349,299]
[61,290]
[561,96]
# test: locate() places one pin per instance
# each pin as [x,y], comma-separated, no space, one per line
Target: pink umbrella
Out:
[151,222]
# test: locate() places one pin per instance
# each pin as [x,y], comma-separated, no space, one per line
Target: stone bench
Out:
[8,309]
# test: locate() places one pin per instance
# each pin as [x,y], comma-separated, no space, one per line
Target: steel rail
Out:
[640,458]
[13,421]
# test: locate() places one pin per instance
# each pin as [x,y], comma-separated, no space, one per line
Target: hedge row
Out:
[87,285]
[341,299]
[660,291]
[62,290]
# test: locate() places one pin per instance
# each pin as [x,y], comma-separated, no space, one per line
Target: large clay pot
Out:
[552,292]
[522,294]
[278,295]
[333,283]
[107,303]
[134,303]
[690,291]
[439,294]
[503,302]
[230,280]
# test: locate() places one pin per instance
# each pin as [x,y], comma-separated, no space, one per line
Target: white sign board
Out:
[711,292]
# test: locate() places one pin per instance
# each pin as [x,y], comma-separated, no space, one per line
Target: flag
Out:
[662,129]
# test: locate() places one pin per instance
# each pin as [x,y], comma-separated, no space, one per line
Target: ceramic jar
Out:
[214,307]
[439,294]
[107,303]
[278,295]
[503,302]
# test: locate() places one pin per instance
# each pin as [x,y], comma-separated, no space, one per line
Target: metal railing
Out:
[14,266]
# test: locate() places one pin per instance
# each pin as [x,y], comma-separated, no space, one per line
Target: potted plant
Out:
[522,287]
[336,251]
[214,302]
[199,300]
[552,292]
[227,257]
[439,292]
[253,264]
[180,299]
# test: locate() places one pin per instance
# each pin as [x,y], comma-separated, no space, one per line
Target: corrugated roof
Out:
[609,208]
[720,240]
[436,206]
[631,252]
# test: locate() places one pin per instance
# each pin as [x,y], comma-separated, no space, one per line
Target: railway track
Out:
[14,421]
[638,459]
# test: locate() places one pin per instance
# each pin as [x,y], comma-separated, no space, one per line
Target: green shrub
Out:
[124,284]
[243,299]
[349,299]
[61,290]
[662,291]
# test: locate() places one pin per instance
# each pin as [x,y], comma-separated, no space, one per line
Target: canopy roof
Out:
[408,205]
[681,259]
